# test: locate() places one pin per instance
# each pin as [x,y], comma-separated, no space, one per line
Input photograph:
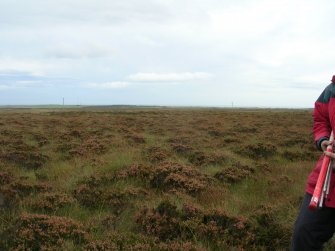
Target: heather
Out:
[152,178]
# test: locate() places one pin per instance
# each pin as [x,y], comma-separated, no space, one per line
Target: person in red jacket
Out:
[313,228]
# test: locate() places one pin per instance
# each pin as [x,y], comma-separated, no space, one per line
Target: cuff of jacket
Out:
[319,141]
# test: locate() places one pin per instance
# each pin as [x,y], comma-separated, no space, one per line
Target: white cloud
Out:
[33,66]
[72,51]
[108,85]
[162,77]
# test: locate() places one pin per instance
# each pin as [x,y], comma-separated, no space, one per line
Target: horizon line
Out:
[146,106]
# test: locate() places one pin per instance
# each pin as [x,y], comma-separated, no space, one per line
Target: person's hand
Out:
[324,145]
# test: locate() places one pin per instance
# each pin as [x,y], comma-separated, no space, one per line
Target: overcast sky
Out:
[263,53]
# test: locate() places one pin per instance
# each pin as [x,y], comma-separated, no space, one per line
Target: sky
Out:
[242,53]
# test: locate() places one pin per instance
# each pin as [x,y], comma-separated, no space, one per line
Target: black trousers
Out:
[312,228]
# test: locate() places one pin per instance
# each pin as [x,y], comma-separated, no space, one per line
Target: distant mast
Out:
[63,101]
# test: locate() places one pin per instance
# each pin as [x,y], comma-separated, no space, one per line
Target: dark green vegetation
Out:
[152,179]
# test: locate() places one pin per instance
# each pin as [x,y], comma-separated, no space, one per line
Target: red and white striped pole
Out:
[318,191]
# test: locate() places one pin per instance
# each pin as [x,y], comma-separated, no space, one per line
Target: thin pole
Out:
[318,190]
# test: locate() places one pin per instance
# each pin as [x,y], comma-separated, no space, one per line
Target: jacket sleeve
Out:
[321,122]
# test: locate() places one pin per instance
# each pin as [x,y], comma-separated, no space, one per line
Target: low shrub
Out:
[9,198]
[32,159]
[41,139]
[258,151]
[268,232]
[216,228]
[181,148]
[43,232]
[87,148]
[168,176]
[235,173]
[156,154]
[25,188]
[51,202]
[162,222]
[135,171]
[6,177]
[136,242]
[171,176]
[199,158]
[300,156]
[95,196]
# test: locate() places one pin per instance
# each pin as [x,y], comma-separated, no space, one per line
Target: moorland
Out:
[152,178]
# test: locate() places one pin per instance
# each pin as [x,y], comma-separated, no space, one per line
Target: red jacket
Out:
[324,123]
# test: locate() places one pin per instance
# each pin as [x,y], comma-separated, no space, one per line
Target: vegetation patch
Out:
[96,193]
[9,198]
[235,173]
[226,231]
[132,136]
[170,176]
[156,154]
[258,151]
[52,201]
[66,162]
[136,242]
[139,171]
[299,156]
[162,222]
[180,148]
[41,139]
[42,232]
[88,148]
[6,177]
[26,188]
[30,159]
[13,190]
[199,158]
[166,222]
[268,233]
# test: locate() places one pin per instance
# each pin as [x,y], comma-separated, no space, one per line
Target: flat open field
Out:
[152,178]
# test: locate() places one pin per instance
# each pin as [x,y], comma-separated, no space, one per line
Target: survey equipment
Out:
[321,190]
